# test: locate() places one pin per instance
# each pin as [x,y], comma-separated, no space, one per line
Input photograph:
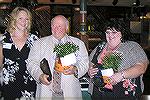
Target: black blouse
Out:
[17,82]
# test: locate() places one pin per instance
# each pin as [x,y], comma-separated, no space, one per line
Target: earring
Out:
[121,39]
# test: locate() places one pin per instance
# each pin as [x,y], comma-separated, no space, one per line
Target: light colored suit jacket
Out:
[43,48]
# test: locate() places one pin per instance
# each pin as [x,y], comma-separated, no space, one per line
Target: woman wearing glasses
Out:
[125,82]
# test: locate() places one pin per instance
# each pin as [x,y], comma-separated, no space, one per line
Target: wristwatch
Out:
[123,76]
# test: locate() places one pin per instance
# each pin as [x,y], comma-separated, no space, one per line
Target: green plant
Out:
[65,49]
[112,60]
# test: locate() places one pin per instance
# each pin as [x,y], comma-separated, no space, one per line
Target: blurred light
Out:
[137,3]
[77,9]
[143,17]
[148,15]
[134,3]
[78,33]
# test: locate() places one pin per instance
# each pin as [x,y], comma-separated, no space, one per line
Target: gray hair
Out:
[64,18]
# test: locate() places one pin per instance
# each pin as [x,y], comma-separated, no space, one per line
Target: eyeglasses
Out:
[113,32]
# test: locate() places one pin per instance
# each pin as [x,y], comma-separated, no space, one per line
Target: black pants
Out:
[116,94]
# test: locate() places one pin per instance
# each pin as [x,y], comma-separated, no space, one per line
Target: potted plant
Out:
[110,64]
[112,60]
[65,55]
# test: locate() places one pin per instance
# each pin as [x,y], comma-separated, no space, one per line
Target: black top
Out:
[17,82]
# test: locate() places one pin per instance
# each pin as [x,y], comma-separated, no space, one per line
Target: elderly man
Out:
[44,48]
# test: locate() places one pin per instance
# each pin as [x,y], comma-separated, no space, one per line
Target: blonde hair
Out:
[11,25]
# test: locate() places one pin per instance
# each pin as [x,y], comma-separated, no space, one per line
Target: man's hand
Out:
[1,57]
[43,79]
[70,70]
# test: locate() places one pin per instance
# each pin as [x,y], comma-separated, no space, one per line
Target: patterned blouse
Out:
[17,82]
[132,53]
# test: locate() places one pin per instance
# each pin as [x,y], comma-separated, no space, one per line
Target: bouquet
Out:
[65,55]
[110,63]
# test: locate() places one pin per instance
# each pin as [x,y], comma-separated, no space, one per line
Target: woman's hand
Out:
[116,78]
[92,71]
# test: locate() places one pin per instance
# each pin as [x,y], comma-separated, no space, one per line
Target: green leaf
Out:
[65,49]
[112,60]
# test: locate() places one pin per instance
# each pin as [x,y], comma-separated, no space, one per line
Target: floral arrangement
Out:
[65,49]
[129,86]
[111,60]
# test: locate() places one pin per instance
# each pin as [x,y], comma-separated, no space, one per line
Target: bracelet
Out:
[123,76]
[76,72]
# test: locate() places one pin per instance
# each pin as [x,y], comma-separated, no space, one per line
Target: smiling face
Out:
[22,21]
[113,37]
[59,26]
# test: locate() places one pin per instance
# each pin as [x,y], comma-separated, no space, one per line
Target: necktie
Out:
[57,91]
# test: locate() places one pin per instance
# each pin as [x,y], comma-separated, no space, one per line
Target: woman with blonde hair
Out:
[16,44]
